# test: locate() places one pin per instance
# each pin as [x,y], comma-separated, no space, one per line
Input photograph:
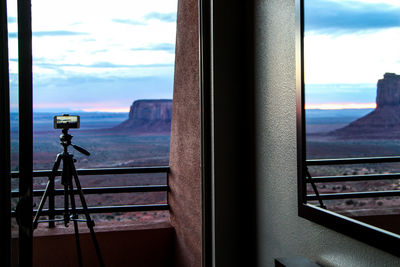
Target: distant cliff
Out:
[148,116]
[388,92]
[384,121]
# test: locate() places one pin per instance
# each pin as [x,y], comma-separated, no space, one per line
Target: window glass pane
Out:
[111,63]
[94,59]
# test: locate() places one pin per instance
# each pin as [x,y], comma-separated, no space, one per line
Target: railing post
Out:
[51,202]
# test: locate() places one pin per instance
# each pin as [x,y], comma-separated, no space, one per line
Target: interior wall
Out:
[281,233]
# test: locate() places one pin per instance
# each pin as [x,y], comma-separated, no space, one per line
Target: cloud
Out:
[129,21]
[49,33]
[87,91]
[99,51]
[12,19]
[42,63]
[89,40]
[158,47]
[166,17]
[111,65]
[344,17]
[44,70]
[340,93]
[57,33]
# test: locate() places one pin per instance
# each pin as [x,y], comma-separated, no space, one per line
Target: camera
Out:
[66,121]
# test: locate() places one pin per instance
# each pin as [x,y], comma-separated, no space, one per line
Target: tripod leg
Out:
[48,191]
[66,180]
[89,221]
[74,217]
[42,202]
[66,206]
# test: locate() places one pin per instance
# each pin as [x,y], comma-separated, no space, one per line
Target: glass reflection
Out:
[352,101]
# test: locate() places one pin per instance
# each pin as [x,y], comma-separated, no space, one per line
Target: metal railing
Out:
[52,211]
[347,178]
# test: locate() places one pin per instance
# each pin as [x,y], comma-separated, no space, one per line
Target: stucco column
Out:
[185,152]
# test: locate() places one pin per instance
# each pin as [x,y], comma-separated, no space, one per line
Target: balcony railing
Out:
[347,178]
[52,211]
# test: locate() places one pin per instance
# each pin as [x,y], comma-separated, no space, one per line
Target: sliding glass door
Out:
[16,132]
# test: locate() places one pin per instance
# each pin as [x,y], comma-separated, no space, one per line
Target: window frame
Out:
[25,109]
[5,183]
[25,238]
[371,235]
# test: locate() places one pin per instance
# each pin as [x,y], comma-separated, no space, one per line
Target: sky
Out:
[96,55]
[102,55]
[348,46]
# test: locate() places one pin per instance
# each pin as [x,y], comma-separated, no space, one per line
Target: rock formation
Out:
[384,121]
[148,117]
[388,93]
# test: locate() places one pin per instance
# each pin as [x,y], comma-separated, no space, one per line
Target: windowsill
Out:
[145,243]
[100,226]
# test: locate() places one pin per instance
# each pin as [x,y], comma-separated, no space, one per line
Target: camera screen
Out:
[66,121]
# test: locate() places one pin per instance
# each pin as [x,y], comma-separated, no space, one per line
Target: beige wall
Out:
[281,232]
[272,228]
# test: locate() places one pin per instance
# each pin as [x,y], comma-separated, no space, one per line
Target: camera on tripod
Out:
[69,175]
[66,121]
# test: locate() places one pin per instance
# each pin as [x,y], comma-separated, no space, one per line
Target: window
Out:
[110,63]
[348,130]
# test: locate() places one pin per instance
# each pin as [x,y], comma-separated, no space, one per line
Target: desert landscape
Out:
[141,138]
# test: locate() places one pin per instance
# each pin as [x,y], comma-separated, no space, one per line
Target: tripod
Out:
[68,175]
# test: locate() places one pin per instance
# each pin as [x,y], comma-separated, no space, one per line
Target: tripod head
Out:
[65,141]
